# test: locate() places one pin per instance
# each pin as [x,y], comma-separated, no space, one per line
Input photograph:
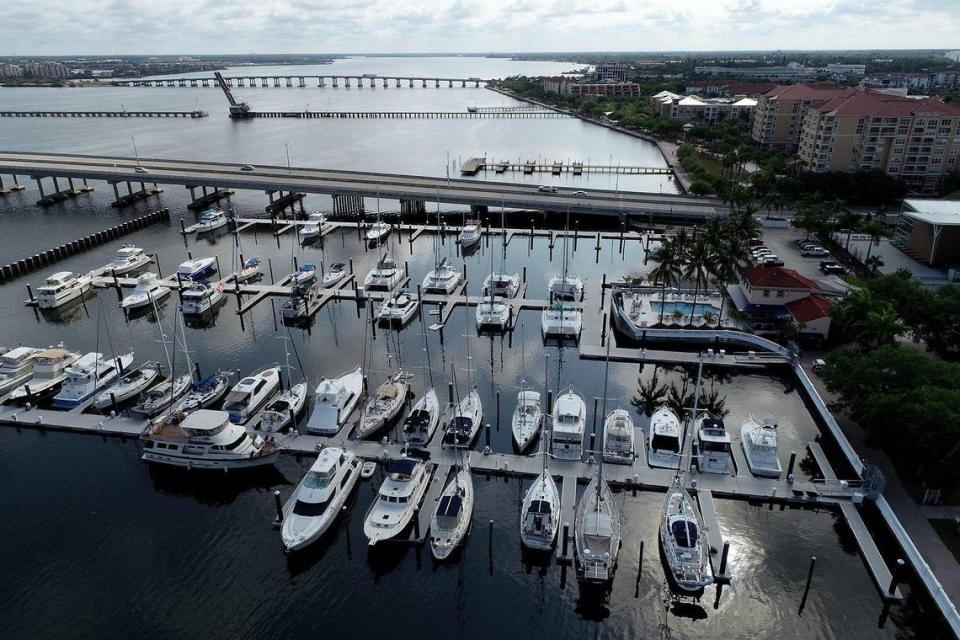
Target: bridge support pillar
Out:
[132,196]
[278,205]
[205,200]
[437,82]
[321,82]
[334,82]
[346,82]
[398,83]
[58,195]
[424,83]
[384,83]
[348,205]
[302,82]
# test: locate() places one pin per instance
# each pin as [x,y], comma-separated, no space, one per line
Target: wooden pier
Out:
[103,114]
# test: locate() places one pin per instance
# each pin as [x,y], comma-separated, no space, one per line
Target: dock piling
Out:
[895,578]
[806,590]
[498,410]
[723,559]
[566,538]
[793,460]
[279,506]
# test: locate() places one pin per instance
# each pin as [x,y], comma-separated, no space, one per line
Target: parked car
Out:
[814,252]
[819,365]
[833,268]
[772,261]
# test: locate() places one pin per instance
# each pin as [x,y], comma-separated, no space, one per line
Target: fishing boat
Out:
[205,439]
[713,445]
[540,512]
[283,412]
[618,437]
[302,303]
[16,367]
[597,532]
[664,446]
[198,268]
[129,258]
[162,395]
[377,232]
[463,422]
[453,515]
[336,273]
[61,288]
[420,425]
[565,287]
[384,405]
[399,497]
[527,417]
[319,498]
[303,276]
[251,270]
[569,424]
[205,393]
[210,220]
[398,309]
[335,399]
[442,279]
[88,376]
[383,277]
[250,393]
[315,226]
[49,370]
[147,291]
[760,448]
[201,297]
[129,386]
[469,234]
[682,542]
[501,285]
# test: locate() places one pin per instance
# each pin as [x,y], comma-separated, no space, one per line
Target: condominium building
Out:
[10,71]
[568,87]
[779,113]
[695,109]
[914,139]
[611,72]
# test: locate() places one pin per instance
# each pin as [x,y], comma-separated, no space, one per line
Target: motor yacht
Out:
[88,376]
[315,226]
[335,399]
[210,220]
[129,386]
[205,439]
[147,291]
[470,234]
[759,442]
[452,516]
[420,425]
[205,393]
[501,285]
[569,424]
[283,412]
[597,532]
[527,418]
[16,367]
[383,277]
[251,270]
[194,269]
[713,446]
[682,543]
[49,367]
[129,258]
[384,405]
[463,421]
[561,320]
[319,497]
[567,287]
[161,396]
[250,393]
[398,499]
[540,513]
[398,309]
[663,448]
[442,279]
[302,303]
[201,297]
[618,437]
[377,232]
[493,313]
[61,288]
[336,273]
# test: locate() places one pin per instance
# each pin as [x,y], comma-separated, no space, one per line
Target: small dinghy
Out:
[282,412]
[129,386]
[368,469]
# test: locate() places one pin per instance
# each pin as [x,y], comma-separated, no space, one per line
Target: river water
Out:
[95,544]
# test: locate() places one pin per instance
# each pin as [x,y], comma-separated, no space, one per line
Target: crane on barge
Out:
[237,109]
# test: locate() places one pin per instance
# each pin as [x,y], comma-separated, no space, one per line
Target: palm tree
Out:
[851,221]
[873,264]
[882,326]
[695,269]
[650,394]
[875,229]
[667,271]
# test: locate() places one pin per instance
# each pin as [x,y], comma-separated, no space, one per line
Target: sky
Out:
[64,27]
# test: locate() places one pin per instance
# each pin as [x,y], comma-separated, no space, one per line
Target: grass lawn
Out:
[947,531]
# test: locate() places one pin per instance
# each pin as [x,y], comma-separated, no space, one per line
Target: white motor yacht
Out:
[335,399]
[49,367]
[493,313]
[452,516]
[398,309]
[129,258]
[302,303]
[713,446]
[315,225]
[420,425]
[210,220]
[398,499]
[759,442]
[88,376]
[162,395]
[283,412]
[201,297]
[319,498]
[663,448]
[251,270]
[681,540]
[501,284]
[336,273]
[565,287]
[147,291]
[205,439]
[377,232]
[540,513]
[198,268]
[527,418]
[463,421]
[442,279]
[597,532]
[205,393]
[561,320]
[252,392]
[303,276]
[130,385]
[16,367]
[569,424]
[383,277]
[618,437]
[61,288]
[470,234]
[384,405]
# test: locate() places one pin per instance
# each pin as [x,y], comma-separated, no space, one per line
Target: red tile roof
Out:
[813,307]
[778,278]
[807,92]
[883,105]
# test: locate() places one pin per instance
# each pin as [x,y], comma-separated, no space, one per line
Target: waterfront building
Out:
[569,87]
[929,231]
[779,113]
[10,71]
[709,111]
[769,297]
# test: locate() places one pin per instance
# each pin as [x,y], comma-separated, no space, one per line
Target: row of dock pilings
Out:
[50,256]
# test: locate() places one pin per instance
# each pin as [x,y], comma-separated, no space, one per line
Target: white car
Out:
[546,188]
[814,252]
[580,193]
[248,167]
[140,169]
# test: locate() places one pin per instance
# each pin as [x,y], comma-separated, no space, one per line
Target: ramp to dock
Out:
[868,549]
[821,459]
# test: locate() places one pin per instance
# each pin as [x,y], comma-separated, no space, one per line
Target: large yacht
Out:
[205,439]
[16,367]
[147,291]
[335,399]
[319,497]
[713,445]
[251,393]
[619,445]
[398,499]
[569,421]
[61,288]
[49,366]
[759,442]
[663,450]
[469,234]
[129,258]
[87,376]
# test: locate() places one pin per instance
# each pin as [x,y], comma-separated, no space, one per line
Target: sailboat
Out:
[528,415]
[283,412]
[681,528]
[562,319]
[540,511]
[421,424]
[443,278]
[501,284]
[453,514]
[464,417]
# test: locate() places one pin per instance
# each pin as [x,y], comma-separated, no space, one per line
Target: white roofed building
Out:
[694,109]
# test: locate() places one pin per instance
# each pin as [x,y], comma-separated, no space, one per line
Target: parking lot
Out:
[783,242]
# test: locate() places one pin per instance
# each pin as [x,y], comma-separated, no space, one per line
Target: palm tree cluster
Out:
[709,256]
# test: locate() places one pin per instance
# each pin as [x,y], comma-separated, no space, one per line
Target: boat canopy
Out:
[402,467]
[541,507]
[450,506]
[462,424]
[684,532]
[419,420]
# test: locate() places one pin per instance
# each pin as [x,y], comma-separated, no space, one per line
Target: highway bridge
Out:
[355,185]
[300,81]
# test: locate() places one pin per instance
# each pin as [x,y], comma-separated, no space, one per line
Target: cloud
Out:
[317,26]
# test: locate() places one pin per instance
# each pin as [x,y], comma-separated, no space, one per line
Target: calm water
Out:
[95,544]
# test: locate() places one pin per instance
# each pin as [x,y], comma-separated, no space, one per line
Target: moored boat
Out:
[597,532]
[148,291]
[282,412]
[160,396]
[527,418]
[335,399]
[420,425]
[463,421]
[664,446]
[398,498]
[681,540]
[384,405]
[713,445]
[319,497]
[88,376]
[205,439]
[131,385]
[452,515]
[251,393]
[61,288]
[129,258]
[760,447]
[569,424]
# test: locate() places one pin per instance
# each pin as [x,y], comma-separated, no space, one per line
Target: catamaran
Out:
[319,497]
[383,277]
[398,309]
[442,279]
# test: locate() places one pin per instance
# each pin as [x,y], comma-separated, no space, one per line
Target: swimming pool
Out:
[683,307]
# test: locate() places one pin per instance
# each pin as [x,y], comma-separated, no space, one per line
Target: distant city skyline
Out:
[92,27]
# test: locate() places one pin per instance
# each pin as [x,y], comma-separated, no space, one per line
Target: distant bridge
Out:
[335,81]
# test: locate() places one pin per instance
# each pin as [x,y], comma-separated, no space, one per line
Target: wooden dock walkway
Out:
[711,525]
[821,459]
[568,506]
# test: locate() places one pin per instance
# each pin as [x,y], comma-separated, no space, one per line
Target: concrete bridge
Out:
[335,81]
[353,186]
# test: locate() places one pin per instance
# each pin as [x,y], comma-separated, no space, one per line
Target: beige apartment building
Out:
[914,139]
[778,116]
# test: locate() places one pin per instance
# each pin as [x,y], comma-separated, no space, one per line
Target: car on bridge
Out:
[546,188]
[580,193]
[248,167]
